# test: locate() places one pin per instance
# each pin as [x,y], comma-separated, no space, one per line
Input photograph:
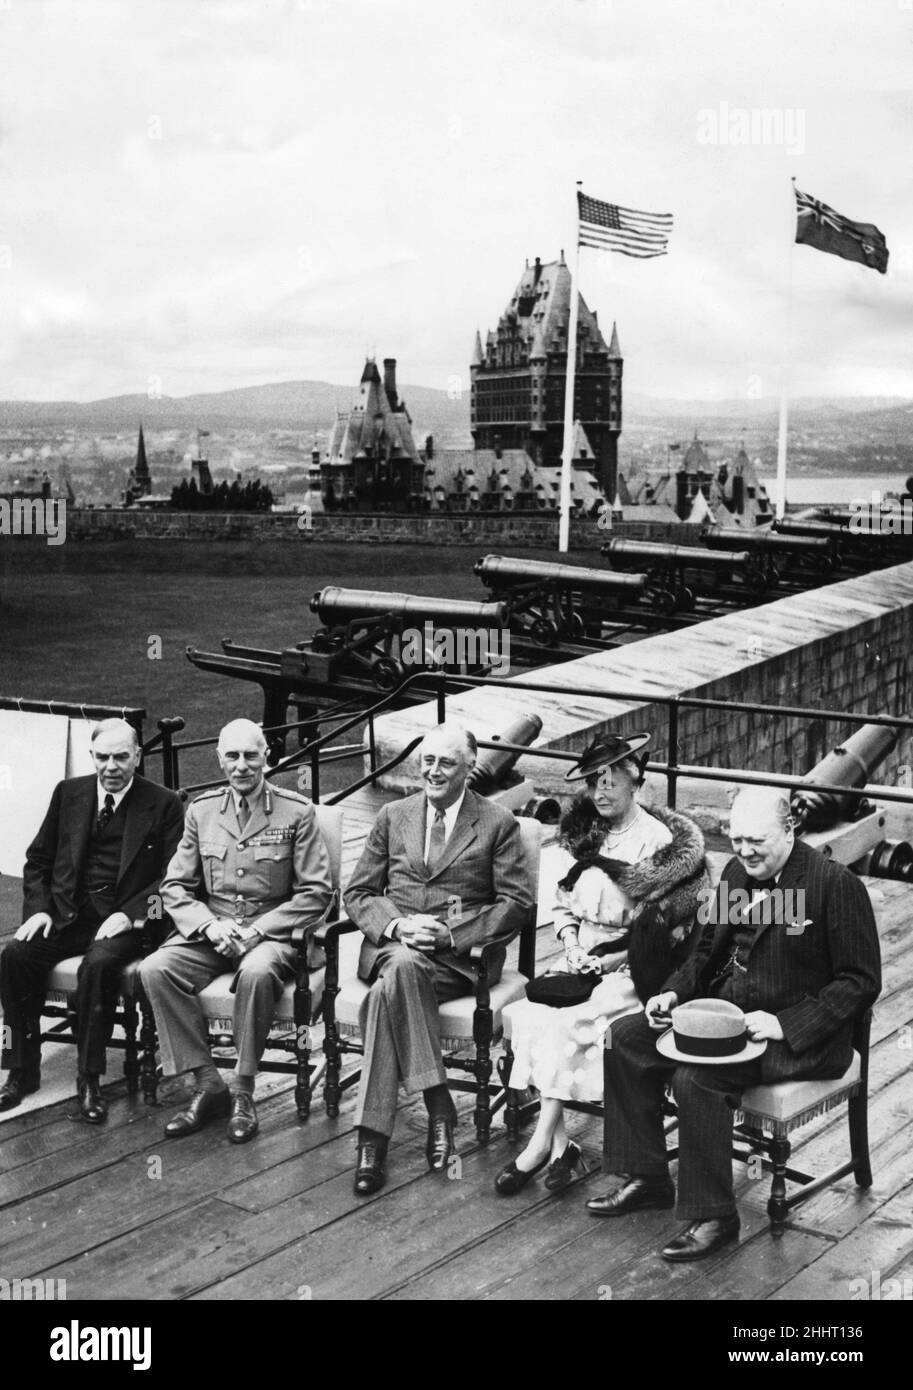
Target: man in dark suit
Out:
[441,872]
[89,875]
[790,938]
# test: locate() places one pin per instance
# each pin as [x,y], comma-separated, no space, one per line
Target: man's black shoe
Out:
[439,1146]
[636,1193]
[93,1108]
[204,1106]
[701,1238]
[369,1171]
[19,1084]
[243,1123]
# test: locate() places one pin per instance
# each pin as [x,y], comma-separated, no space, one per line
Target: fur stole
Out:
[666,887]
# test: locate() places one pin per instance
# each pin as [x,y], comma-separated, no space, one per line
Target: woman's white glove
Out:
[580,962]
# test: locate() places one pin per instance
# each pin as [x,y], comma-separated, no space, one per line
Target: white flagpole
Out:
[564,502]
[780,504]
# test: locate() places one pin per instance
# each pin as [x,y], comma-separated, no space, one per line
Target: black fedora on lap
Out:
[605,751]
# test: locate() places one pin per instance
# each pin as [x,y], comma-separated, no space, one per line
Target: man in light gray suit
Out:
[441,872]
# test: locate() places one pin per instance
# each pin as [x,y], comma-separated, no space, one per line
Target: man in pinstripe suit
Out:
[440,872]
[801,979]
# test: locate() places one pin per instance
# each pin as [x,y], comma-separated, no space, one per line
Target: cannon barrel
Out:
[337,605]
[727,537]
[799,526]
[491,767]
[850,765]
[504,569]
[655,553]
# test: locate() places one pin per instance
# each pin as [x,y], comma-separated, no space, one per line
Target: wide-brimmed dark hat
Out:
[605,752]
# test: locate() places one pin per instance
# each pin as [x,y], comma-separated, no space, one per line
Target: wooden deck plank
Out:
[267,1219]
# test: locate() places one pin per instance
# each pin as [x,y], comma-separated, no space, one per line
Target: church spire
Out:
[614,349]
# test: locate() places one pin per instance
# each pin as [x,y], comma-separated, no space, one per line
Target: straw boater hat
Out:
[710,1031]
[605,752]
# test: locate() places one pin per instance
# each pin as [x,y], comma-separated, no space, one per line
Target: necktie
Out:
[436,842]
[243,812]
[106,812]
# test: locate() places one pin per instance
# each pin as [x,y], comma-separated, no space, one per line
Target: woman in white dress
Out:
[631,886]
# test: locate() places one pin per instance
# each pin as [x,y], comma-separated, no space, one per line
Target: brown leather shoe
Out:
[701,1238]
[637,1193]
[204,1106]
[243,1123]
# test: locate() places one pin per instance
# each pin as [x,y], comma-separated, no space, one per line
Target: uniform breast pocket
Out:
[274,867]
[213,857]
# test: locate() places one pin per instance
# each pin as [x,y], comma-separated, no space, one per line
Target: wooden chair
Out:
[60,1004]
[298,1008]
[471,1023]
[769,1113]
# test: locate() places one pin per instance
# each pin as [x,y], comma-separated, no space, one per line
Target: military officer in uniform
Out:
[251,866]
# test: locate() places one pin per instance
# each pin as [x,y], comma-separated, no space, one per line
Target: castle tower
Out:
[518,376]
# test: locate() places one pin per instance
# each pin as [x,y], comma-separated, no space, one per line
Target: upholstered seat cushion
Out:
[218,1003]
[456,1014]
[62,980]
[787,1104]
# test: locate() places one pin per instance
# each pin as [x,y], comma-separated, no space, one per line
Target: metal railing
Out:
[320,751]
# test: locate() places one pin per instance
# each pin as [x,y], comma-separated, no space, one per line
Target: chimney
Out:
[537,271]
[390,381]
[497,443]
[429,447]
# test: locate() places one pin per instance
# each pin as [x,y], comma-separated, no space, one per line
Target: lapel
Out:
[138,818]
[81,813]
[463,833]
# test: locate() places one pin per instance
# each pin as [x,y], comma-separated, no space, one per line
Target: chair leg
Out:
[148,1073]
[302,1011]
[129,1023]
[777,1208]
[512,1104]
[859,1138]
[482,1029]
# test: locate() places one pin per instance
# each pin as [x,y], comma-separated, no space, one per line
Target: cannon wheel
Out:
[387,673]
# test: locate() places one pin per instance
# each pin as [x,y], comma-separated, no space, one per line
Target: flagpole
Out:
[564,501]
[780,503]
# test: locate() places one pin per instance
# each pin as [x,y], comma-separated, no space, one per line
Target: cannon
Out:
[779,555]
[689,571]
[854,551]
[849,826]
[850,765]
[492,769]
[370,642]
[494,773]
[552,603]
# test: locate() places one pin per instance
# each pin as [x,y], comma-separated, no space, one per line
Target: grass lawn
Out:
[76,620]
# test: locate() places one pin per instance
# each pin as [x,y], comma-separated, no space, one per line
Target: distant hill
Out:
[299,405]
[310,406]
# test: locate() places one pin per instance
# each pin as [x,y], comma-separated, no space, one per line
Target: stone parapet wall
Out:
[501,529]
[846,646]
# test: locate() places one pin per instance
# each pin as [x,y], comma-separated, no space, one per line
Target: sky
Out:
[203,194]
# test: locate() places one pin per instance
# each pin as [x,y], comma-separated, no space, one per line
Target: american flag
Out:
[612,228]
[820,226]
